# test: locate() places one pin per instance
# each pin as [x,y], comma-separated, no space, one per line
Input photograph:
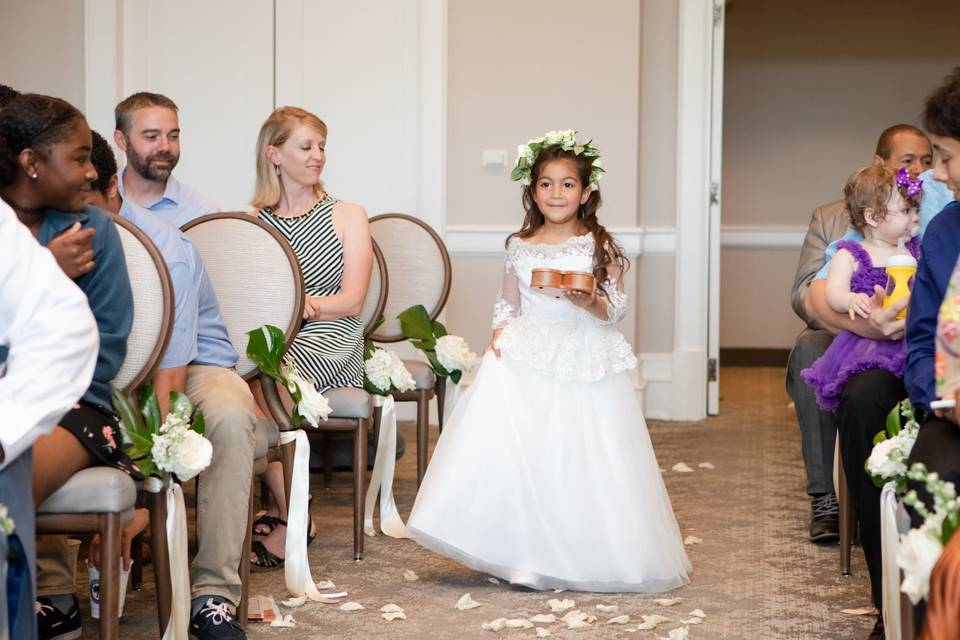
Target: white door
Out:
[716,148]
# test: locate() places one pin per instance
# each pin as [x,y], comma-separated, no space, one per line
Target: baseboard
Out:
[750,357]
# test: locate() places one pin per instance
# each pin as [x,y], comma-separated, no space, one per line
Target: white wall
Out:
[808,88]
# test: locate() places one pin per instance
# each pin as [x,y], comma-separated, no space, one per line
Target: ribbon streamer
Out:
[179,573]
[889,541]
[450,401]
[381,480]
[296,567]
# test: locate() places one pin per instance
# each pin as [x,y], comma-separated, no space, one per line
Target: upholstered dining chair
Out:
[352,409]
[101,499]
[258,281]
[420,273]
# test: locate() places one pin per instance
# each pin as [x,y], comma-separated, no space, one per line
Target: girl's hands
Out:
[859,304]
[582,299]
[492,345]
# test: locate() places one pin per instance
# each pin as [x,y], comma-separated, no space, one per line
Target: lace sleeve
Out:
[616,300]
[507,305]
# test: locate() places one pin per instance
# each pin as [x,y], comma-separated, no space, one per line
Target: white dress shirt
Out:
[51,335]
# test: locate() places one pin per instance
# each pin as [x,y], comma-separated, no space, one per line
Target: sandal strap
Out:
[266,559]
[268,521]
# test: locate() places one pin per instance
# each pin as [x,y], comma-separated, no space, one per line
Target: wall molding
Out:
[762,237]
[487,240]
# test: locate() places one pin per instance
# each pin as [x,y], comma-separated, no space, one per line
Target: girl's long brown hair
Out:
[606,251]
[943,605]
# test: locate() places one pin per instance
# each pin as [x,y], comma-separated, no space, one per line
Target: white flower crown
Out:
[567,141]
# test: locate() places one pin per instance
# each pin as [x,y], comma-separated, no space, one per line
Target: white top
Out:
[52,338]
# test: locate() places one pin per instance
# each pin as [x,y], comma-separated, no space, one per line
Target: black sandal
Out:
[266,559]
[270,522]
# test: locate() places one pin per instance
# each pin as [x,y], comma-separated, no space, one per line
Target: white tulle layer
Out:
[578,349]
[550,484]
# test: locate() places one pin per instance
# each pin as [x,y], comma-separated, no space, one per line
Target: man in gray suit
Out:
[899,146]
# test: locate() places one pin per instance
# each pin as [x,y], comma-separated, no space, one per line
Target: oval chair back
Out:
[419,268]
[376,299]
[255,275]
[153,307]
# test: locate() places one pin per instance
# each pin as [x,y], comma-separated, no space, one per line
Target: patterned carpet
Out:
[755,574]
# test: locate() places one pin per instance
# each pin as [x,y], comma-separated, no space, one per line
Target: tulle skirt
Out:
[550,484]
[848,355]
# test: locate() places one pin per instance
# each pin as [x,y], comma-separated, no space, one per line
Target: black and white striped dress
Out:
[329,351]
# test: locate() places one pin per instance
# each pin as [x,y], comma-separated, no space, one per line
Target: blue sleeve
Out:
[182,349]
[938,256]
[828,255]
[108,291]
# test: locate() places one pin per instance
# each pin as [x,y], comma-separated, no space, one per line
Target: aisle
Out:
[755,574]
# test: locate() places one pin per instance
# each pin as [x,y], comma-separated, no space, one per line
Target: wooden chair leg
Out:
[110,532]
[359,484]
[327,459]
[161,557]
[136,555]
[423,432]
[264,496]
[245,566]
[846,522]
[441,392]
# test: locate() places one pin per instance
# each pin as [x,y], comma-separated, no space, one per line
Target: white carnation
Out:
[399,376]
[454,354]
[918,551]
[885,460]
[378,369]
[182,452]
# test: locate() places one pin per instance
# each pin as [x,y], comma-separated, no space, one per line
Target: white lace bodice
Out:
[554,335]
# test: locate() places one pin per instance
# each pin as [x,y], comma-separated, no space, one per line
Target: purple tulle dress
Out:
[849,353]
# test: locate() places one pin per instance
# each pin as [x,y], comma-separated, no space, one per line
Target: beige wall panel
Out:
[755,307]
[514,74]
[653,304]
[42,49]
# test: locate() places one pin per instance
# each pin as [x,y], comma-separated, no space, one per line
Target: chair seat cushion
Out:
[267,436]
[348,402]
[93,490]
[422,373]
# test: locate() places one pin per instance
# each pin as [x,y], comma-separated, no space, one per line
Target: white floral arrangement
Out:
[892,447]
[449,355]
[160,448]
[267,348]
[384,371]
[920,548]
[566,140]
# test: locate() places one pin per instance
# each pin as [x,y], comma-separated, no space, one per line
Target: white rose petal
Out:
[351,606]
[326,584]
[607,608]
[494,625]
[410,575]
[560,605]
[697,613]
[668,602]
[543,617]
[919,550]
[393,615]
[706,465]
[624,619]
[542,633]
[518,623]
[574,615]
[284,621]
[691,621]
[391,608]
[680,633]
[294,602]
[313,406]
[864,611]
[682,467]
[578,624]
[466,602]
[692,540]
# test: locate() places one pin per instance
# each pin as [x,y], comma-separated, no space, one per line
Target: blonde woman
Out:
[331,238]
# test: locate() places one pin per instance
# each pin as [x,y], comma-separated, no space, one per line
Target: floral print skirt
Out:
[99,431]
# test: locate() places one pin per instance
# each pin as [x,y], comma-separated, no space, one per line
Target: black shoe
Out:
[216,621]
[878,633]
[54,624]
[824,519]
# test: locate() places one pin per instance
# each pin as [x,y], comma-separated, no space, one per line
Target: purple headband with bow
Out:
[913,186]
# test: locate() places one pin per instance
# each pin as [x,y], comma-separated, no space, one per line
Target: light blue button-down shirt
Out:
[179,204]
[199,334]
[936,196]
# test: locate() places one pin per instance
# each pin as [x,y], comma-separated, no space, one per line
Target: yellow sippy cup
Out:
[901,269]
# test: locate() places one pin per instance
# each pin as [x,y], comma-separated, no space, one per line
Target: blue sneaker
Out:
[216,621]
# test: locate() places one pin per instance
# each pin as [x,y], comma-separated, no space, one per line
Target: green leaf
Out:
[265,348]
[150,409]
[456,375]
[129,417]
[368,349]
[148,467]
[893,421]
[415,323]
[369,387]
[438,329]
[435,363]
[140,445]
[180,402]
[199,422]
[880,437]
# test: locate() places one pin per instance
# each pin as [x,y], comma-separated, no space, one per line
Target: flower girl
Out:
[544,475]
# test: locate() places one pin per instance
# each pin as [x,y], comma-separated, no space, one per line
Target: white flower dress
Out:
[544,474]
